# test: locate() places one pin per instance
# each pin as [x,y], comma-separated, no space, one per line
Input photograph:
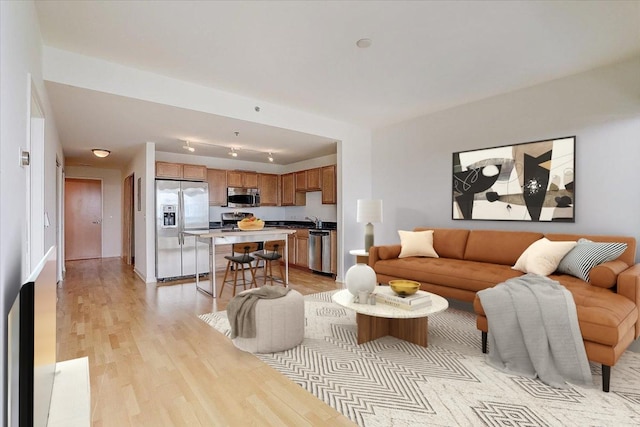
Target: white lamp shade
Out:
[369,210]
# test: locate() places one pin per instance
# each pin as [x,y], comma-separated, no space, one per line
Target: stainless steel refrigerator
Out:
[180,206]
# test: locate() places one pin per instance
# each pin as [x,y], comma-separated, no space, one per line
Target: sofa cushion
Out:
[588,254]
[467,275]
[389,252]
[543,256]
[416,243]
[448,242]
[498,247]
[628,256]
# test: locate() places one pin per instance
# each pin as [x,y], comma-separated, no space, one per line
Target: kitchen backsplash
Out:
[314,207]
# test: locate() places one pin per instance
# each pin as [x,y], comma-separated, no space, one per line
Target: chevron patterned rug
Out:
[389,382]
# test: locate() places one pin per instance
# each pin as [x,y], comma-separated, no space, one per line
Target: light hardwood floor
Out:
[154,363]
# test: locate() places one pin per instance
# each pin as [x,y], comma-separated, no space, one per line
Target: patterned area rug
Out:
[389,382]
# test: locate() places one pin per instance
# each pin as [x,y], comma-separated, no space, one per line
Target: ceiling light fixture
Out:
[363,43]
[270,158]
[233,152]
[188,147]
[100,152]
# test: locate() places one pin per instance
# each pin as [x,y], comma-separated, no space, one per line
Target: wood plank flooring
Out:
[154,363]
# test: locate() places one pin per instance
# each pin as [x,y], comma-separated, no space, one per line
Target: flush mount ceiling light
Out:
[233,152]
[363,43]
[188,147]
[270,158]
[100,152]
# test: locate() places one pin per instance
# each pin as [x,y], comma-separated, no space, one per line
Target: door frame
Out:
[128,224]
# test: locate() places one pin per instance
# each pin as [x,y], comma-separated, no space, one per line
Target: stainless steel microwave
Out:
[243,197]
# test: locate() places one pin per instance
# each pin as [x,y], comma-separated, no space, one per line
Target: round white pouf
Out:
[279,325]
[360,277]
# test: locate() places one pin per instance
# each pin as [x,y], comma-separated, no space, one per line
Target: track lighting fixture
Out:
[270,158]
[233,152]
[188,147]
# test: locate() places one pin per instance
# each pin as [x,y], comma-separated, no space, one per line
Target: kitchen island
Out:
[216,237]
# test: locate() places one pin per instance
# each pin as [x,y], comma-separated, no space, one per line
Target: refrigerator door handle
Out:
[181,217]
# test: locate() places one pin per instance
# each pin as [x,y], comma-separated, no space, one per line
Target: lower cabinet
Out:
[302,249]
[299,248]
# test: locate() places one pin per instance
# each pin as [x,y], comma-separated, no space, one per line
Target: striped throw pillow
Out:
[588,254]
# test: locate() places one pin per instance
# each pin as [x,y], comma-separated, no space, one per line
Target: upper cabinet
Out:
[242,179]
[314,179]
[181,171]
[308,180]
[329,193]
[217,179]
[291,197]
[301,180]
[275,190]
[268,185]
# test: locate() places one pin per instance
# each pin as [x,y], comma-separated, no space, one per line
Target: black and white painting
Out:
[533,181]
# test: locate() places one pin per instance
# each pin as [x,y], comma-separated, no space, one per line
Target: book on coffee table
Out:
[385,295]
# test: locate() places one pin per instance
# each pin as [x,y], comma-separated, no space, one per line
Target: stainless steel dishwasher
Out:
[320,251]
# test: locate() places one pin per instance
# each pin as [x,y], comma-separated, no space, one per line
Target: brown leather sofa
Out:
[472,260]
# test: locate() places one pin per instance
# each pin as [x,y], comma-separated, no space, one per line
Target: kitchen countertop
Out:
[288,224]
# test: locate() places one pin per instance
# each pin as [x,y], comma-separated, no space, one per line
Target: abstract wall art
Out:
[533,181]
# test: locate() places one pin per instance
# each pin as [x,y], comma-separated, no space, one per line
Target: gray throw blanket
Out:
[241,309]
[533,330]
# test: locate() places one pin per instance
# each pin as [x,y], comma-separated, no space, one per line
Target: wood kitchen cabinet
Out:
[314,179]
[291,249]
[181,171]
[289,195]
[268,185]
[308,180]
[195,172]
[168,170]
[242,179]
[301,180]
[298,249]
[302,248]
[329,192]
[217,179]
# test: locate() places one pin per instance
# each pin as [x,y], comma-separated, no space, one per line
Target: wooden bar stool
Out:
[272,252]
[239,262]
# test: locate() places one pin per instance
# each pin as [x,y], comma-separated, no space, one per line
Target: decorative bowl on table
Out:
[251,223]
[404,287]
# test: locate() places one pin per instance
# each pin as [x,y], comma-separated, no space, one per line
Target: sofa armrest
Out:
[377,253]
[629,287]
[605,275]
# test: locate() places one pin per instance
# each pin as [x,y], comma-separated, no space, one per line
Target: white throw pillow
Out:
[543,256]
[417,243]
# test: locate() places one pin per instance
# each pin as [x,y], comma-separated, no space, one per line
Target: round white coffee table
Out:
[379,320]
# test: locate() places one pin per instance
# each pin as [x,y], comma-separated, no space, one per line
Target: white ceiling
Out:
[425,57]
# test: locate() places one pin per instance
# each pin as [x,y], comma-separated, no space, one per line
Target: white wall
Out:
[143,166]
[111,205]
[20,67]
[601,108]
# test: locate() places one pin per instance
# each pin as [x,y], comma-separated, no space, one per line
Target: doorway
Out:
[82,218]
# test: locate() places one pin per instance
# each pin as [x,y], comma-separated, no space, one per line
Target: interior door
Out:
[83,218]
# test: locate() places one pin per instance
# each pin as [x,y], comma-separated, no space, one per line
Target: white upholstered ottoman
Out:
[279,325]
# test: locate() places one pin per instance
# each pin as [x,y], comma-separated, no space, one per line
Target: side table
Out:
[362,256]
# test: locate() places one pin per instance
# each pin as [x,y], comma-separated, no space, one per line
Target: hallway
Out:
[154,363]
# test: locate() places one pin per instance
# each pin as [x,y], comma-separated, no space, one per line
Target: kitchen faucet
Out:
[316,221]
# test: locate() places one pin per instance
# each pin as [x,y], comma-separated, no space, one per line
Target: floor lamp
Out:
[369,211]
